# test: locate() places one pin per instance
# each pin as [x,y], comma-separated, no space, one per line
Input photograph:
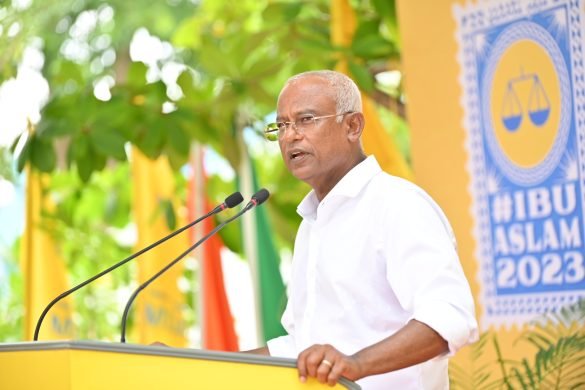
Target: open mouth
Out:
[297,155]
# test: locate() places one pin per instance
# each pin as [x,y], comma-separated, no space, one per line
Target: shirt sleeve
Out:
[284,346]
[424,271]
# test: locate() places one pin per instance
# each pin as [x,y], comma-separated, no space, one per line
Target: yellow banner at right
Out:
[496,106]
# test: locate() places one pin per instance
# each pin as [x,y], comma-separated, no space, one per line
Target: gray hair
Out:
[345,92]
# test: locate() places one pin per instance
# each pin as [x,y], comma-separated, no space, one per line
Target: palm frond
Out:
[477,375]
[560,360]
[502,364]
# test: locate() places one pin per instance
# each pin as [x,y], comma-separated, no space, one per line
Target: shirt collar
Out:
[349,186]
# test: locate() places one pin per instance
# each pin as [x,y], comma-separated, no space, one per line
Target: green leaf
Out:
[99,160]
[231,236]
[82,154]
[314,37]
[176,160]
[362,76]
[385,8]
[372,46]
[188,34]
[84,168]
[155,95]
[65,71]
[292,10]
[366,28]
[169,213]
[185,81]
[218,61]
[42,154]
[278,12]
[53,127]
[108,143]
[14,144]
[261,96]
[79,145]
[178,140]
[151,141]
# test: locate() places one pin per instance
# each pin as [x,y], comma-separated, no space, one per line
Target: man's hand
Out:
[414,343]
[327,364]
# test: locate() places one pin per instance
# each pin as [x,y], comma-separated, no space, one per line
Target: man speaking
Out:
[377,293]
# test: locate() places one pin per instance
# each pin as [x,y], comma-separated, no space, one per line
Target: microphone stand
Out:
[231,201]
[257,199]
[169,265]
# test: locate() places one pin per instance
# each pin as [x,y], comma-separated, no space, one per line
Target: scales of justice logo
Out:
[524,95]
[538,103]
[525,133]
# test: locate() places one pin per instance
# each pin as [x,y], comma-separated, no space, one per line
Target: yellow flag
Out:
[158,308]
[375,139]
[43,269]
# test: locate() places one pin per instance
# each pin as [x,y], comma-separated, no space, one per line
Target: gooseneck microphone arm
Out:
[258,198]
[231,201]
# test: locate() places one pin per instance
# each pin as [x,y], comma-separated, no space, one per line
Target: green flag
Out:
[272,294]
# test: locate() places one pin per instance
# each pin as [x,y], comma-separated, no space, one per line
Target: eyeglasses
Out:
[275,131]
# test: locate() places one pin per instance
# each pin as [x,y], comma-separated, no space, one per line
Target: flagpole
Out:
[249,232]
[198,209]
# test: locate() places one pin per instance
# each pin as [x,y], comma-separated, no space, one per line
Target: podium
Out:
[73,365]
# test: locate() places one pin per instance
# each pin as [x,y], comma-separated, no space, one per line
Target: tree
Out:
[232,60]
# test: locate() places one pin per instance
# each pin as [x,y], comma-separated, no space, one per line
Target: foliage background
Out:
[206,72]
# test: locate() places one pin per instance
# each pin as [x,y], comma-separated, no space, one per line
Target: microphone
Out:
[257,199]
[231,201]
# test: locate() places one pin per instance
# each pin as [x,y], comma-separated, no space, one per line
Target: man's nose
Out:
[291,132]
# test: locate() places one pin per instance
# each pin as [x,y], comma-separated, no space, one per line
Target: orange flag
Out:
[217,322]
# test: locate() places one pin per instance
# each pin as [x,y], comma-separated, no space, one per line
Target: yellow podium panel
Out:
[92,365]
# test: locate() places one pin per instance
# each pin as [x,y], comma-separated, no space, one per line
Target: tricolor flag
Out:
[263,257]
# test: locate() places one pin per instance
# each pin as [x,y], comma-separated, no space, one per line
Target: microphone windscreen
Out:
[261,196]
[234,199]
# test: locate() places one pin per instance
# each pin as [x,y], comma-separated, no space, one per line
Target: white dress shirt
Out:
[375,253]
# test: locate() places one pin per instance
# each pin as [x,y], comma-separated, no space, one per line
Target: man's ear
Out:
[355,125]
